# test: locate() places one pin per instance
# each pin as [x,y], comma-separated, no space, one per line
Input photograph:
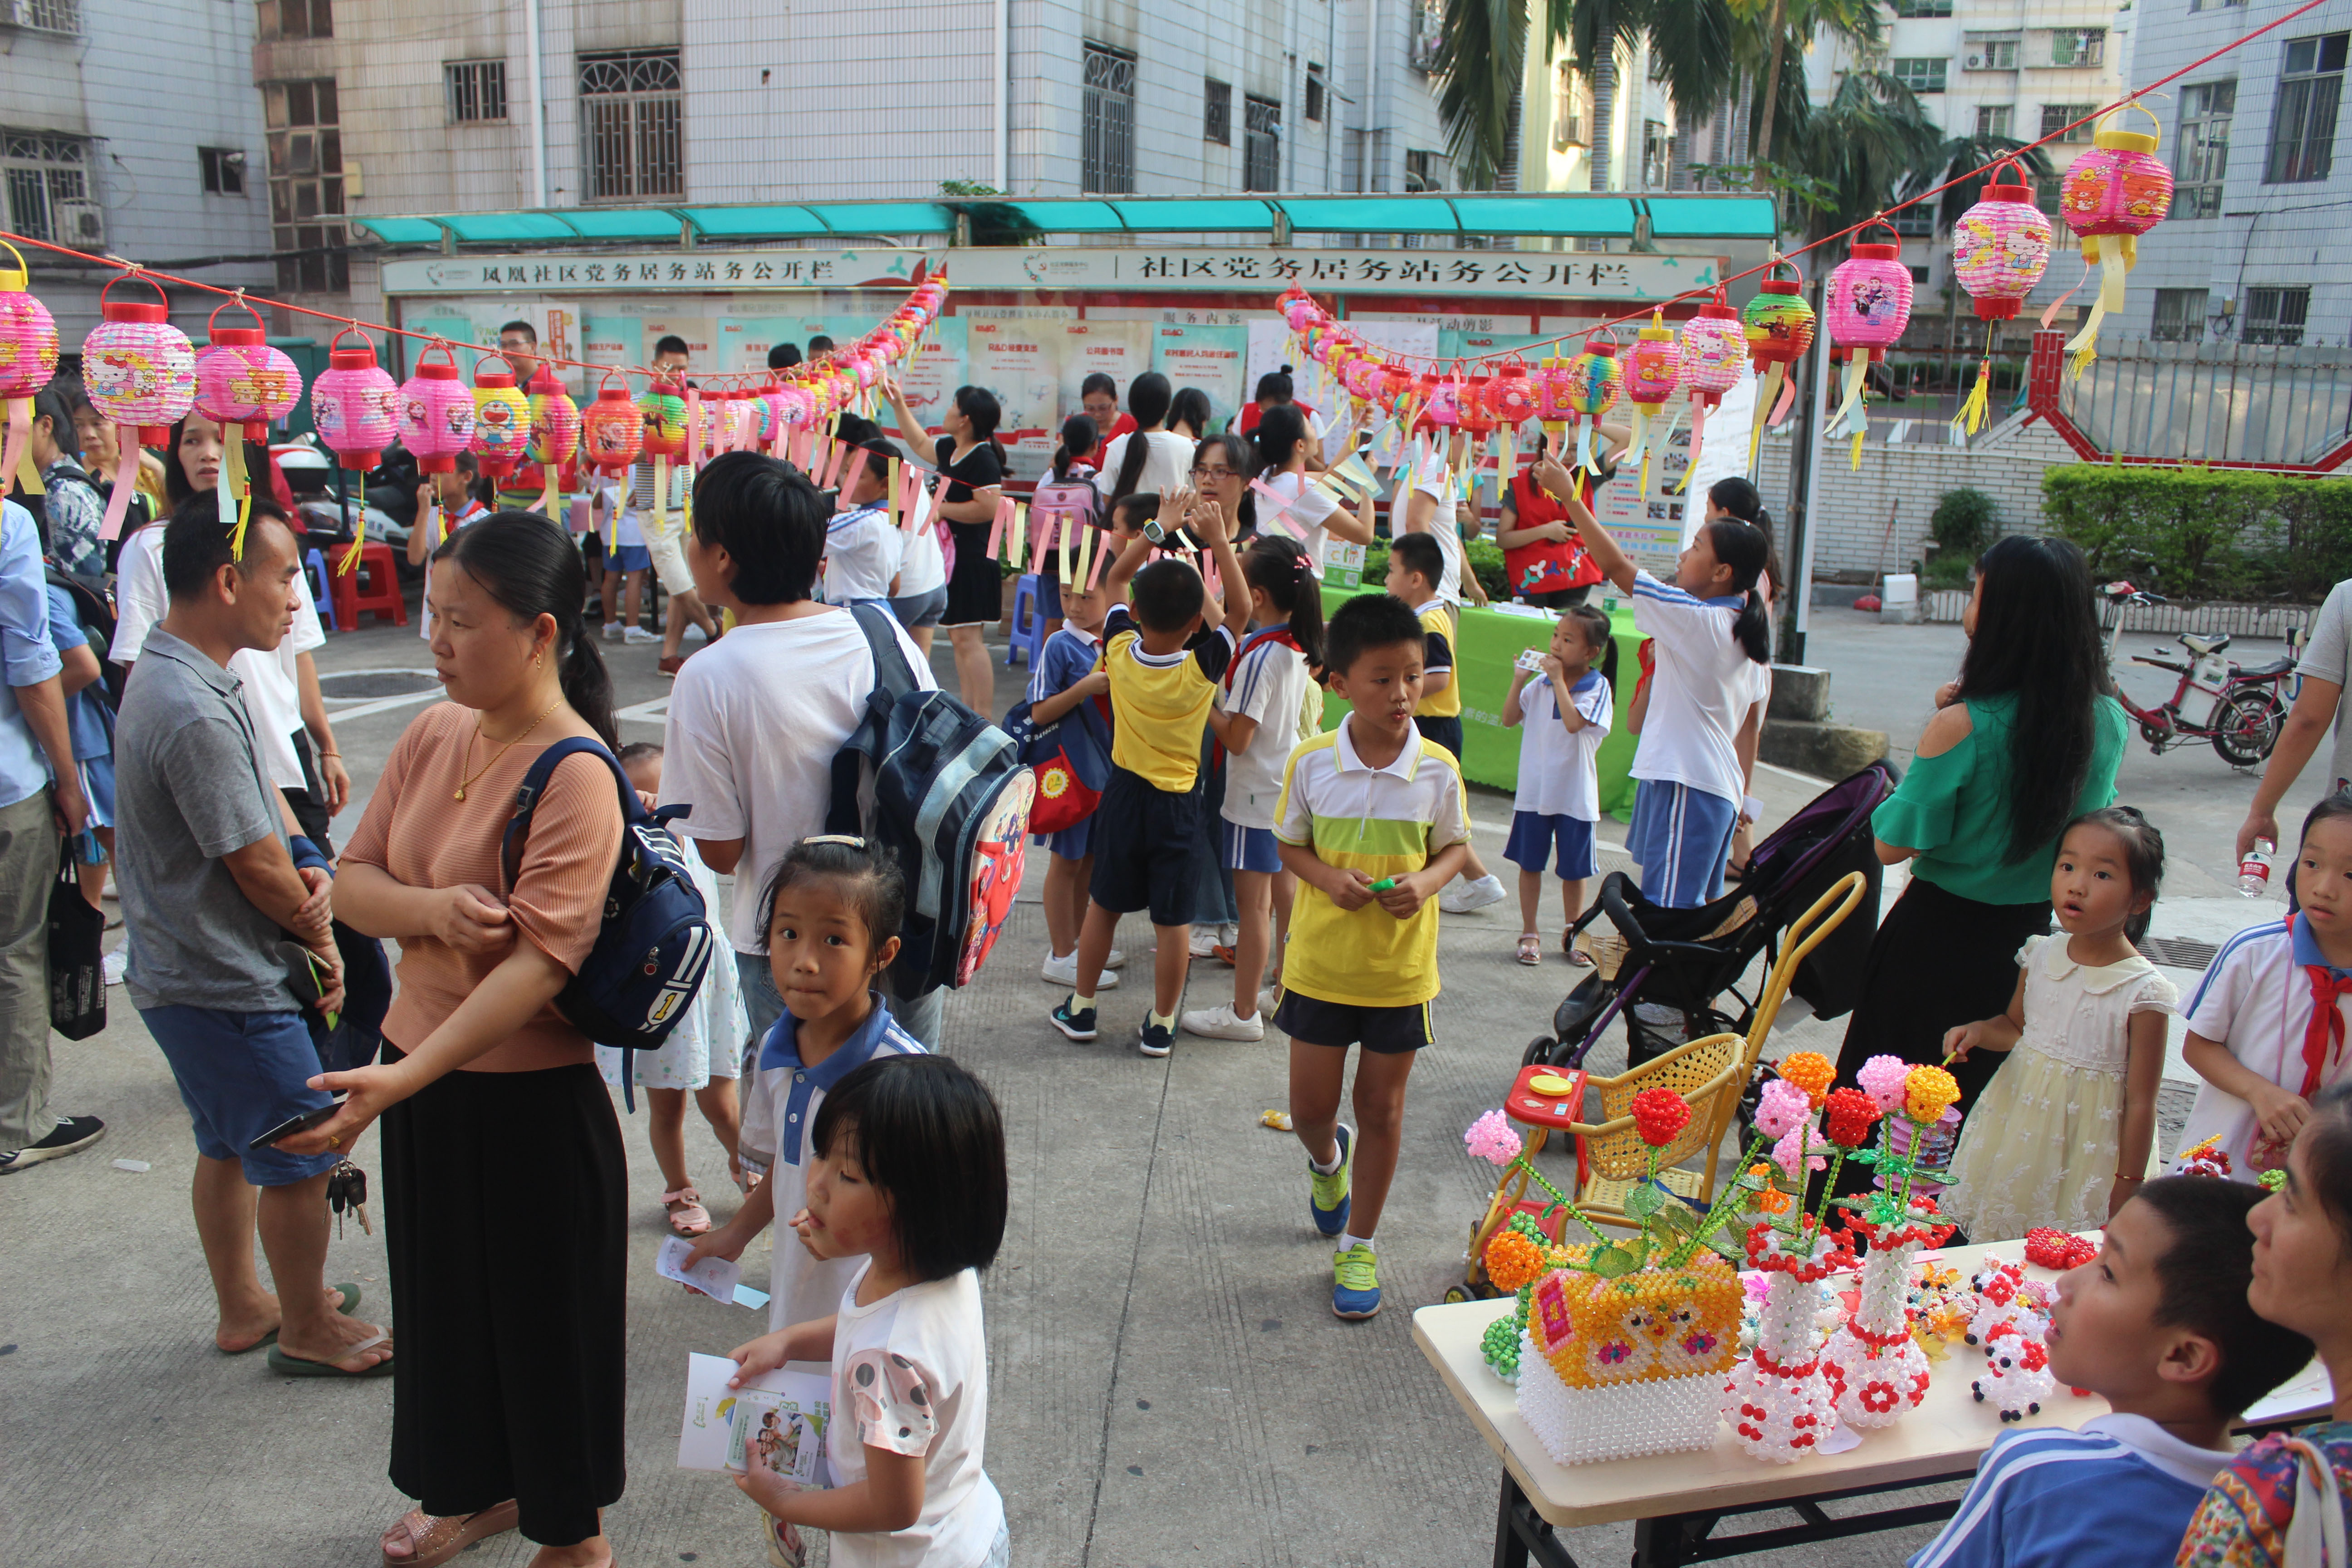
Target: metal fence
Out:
[1943,605]
[2221,402]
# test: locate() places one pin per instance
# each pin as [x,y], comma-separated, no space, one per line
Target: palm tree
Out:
[1772,45]
[1869,143]
[1958,159]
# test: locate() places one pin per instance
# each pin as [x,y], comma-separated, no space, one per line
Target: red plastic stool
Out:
[373,586]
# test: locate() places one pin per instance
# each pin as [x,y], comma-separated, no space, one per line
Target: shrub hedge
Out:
[1483,555]
[2205,533]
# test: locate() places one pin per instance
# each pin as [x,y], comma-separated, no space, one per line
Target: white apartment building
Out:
[2254,250]
[131,127]
[1564,145]
[377,108]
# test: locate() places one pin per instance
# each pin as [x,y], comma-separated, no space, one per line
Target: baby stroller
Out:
[1667,971]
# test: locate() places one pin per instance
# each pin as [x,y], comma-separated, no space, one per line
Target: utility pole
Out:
[1804,462]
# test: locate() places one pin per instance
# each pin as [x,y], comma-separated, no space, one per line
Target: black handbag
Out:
[77,961]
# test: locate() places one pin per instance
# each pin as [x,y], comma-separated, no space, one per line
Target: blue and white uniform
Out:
[1691,784]
[1558,801]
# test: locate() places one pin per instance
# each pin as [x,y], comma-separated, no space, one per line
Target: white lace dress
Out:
[2040,1146]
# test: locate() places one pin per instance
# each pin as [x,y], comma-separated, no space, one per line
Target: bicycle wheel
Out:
[2246,723]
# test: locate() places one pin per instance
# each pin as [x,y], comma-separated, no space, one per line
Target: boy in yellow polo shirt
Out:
[1163,668]
[1416,565]
[1372,822]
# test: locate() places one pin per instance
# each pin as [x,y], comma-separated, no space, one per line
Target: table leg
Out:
[1661,1542]
[1521,1534]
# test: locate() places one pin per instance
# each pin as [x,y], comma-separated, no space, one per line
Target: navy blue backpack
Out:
[654,944]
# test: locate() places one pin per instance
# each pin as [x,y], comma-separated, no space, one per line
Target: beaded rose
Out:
[1811,1071]
[1659,1116]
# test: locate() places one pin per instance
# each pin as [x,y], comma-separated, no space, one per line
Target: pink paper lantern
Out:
[501,419]
[2001,247]
[2113,194]
[28,336]
[355,404]
[1868,302]
[437,413]
[1444,404]
[1550,379]
[242,381]
[554,423]
[1714,350]
[1511,396]
[1654,367]
[139,370]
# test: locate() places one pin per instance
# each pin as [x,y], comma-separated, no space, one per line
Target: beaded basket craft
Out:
[1632,1365]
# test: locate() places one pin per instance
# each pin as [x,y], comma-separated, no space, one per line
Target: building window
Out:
[1925,74]
[1923,8]
[223,169]
[306,185]
[48,188]
[2180,316]
[2274,316]
[1107,121]
[1217,111]
[478,90]
[1428,19]
[2076,46]
[1658,154]
[1995,119]
[297,19]
[1315,93]
[2057,117]
[1570,106]
[2303,124]
[631,119]
[1261,143]
[1990,52]
[2200,154]
[1425,172]
[46,16]
[1916,221]
[2048,190]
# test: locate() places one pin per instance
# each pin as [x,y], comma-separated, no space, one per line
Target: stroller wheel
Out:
[1456,1293]
[1538,1052]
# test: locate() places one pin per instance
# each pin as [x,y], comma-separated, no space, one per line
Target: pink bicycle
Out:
[2249,705]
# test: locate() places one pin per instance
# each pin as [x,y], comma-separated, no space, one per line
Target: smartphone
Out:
[303,1123]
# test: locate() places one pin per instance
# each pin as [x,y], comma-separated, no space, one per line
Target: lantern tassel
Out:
[1773,379]
[2116,255]
[1583,446]
[351,561]
[244,516]
[1637,449]
[1509,464]
[126,479]
[1698,432]
[661,500]
[1971,417]
[232,487]
[1857,377]
[16,452]
[1788,398]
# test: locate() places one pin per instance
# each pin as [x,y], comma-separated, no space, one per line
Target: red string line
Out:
[132,269]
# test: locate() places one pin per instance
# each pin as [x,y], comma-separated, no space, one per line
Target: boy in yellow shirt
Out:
[1163,668]
[1372,822]
[1416,565]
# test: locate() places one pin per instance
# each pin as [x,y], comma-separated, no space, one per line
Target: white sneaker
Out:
[1219,1023]
[113,964]
[613,631]
[1464,896]
[1115,960]
[1205,941]
[1064,971]
[1268,1000]
[635,635]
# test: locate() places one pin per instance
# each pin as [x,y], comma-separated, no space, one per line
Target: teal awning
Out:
[1713,218]
[1593,217]
[740,223]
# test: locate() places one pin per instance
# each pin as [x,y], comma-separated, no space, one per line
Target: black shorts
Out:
[1144,850]
[1445,731]
[1383,1031]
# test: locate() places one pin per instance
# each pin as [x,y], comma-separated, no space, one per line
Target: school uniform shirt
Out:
[2121,1490]
[922,564]
[862,552]
[1166,465]
[2255,999]
[911,1376]
[1309,508]
[1432,478]
[1438,629]
[1557,775]
[273,696]
[1159,701]
[1070,655]
[780,1107]
[1384,822]
[620,526]
[1272,686]
[1700,690]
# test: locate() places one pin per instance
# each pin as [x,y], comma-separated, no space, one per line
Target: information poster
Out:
[744,340]
[700,333]
[614,341]
[1020,362]
[1649,524]
[1453,345]
[930,378]
[472,329]
[1119,350]
[1211,358]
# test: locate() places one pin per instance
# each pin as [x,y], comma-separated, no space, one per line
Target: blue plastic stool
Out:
[322,595]
[1029,638]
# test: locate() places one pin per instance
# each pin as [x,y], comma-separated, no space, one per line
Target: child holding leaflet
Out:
[1063,691]
[1372,823]
[2061,1135]
[1270,703]
[1566,706]
[908,1192]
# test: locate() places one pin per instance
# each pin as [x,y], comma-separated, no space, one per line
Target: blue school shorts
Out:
[630,558]
[1534,836]
[241,1074]
[1249,849]
[1681,837]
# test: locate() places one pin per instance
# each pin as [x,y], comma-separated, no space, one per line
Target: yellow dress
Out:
[2040,1146]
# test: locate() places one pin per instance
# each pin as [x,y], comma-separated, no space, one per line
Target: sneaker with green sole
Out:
[1355,1283]
[1327,1199]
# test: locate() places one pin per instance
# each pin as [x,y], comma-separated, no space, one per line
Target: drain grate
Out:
[2179,952]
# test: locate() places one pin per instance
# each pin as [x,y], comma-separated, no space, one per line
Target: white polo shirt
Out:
[2255,999]
[1700,690]
[1557,775]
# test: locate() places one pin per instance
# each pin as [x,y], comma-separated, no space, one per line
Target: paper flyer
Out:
[783,1415]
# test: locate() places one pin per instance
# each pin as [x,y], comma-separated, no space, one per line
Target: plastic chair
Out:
[372,589]
[323,592]
[1030,639]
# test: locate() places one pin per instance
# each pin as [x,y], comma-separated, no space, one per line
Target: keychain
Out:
[347,1189]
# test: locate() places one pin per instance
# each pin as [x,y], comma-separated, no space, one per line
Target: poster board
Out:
[1210,358]
[1020,361]
[472,328]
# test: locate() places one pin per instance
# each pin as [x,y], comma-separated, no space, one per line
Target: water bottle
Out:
[2254,870]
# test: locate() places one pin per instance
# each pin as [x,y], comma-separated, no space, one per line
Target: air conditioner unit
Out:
[1976,62]
[82,224]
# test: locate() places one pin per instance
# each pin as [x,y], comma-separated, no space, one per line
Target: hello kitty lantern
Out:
[355,404]
[1867,305]
[2113,194]
[140,372]
[1653,370]
[28,358]
[1714,361]
[2001,247]
[245,385]
[1510,399]
[501,419]
[436,412]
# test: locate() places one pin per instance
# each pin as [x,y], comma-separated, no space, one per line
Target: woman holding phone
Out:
[508,1411]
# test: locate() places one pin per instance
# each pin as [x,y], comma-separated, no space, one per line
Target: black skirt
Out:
[976,585]
[505,1198]
[1938,961]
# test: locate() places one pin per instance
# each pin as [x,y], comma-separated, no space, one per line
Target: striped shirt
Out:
[1384,822]
[2121,1490]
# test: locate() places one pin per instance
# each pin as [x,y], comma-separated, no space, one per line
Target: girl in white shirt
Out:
[1311,515]
[1151,458]
[1708,628]
[910,1174]
[1566,705]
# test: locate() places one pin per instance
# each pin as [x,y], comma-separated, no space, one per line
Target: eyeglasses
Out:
[1213,473]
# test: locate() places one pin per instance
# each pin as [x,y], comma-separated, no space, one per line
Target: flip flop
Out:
[350,1305]
[296,1366]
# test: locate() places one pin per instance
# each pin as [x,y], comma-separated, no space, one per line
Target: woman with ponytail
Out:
[971,462]
[1270,702]
[1150,460]
[1709,628]
[483,1087]
[1311,515]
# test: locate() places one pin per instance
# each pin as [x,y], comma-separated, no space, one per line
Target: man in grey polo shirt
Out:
[2325,700]
[209,891]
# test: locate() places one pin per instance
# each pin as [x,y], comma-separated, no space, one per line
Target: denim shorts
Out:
[922,609]
[241,1074]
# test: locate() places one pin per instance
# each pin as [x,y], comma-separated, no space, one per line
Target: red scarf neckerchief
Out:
[2322,1034]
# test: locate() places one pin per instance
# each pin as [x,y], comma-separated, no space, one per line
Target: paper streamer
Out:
[890,493]
[1281,513]
[126,475]
[693,426]
[16,451]
[850,471]
[1019,532]
[1064,545]
[1094,571]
